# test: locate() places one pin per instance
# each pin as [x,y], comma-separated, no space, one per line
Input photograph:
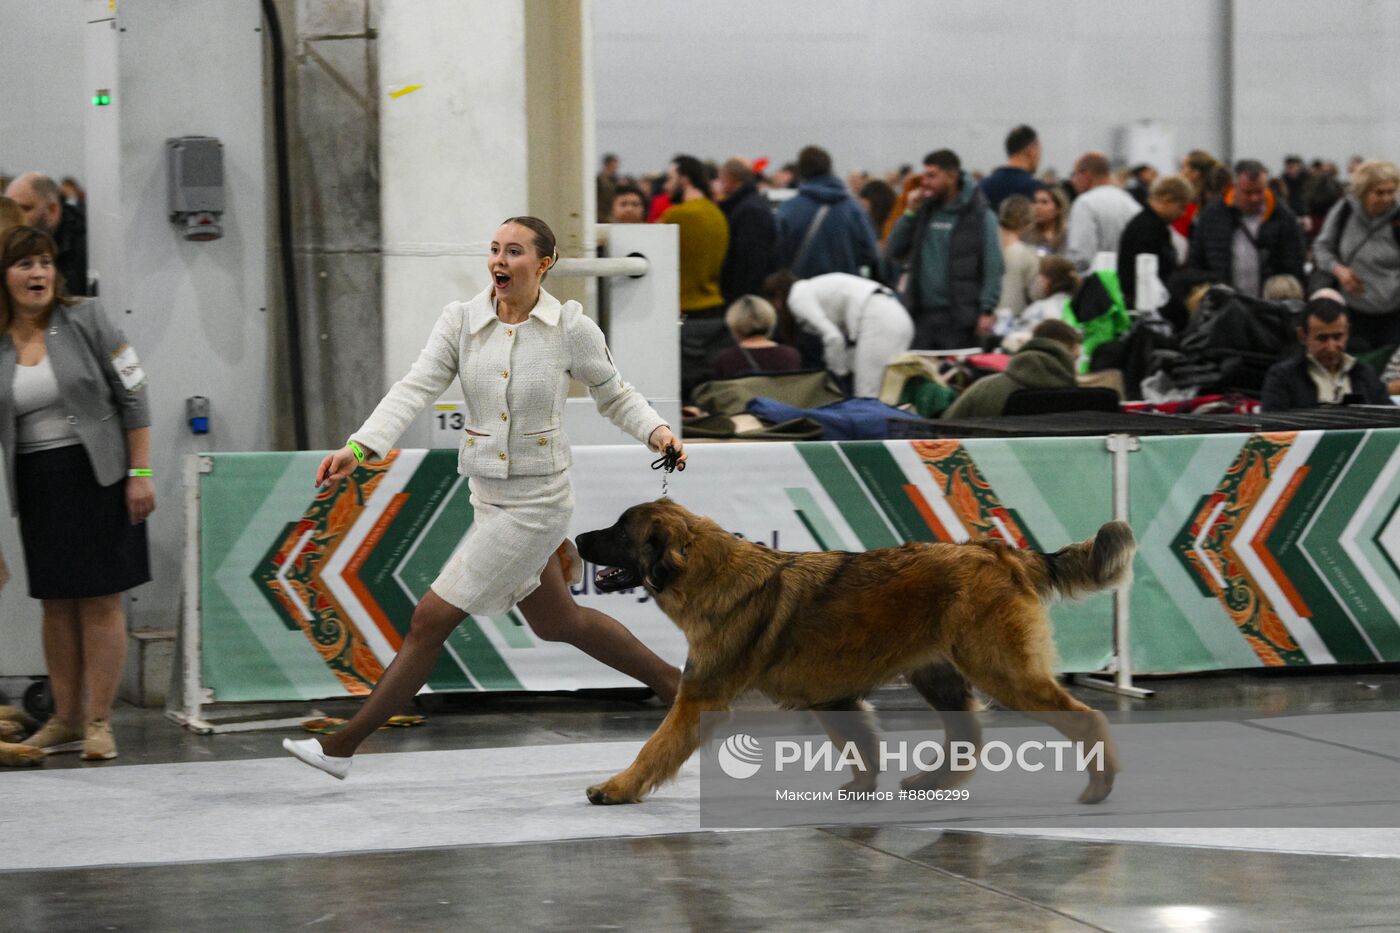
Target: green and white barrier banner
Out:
[1254,550]
[1266,550]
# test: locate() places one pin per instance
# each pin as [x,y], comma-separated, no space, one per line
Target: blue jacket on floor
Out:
[852,419]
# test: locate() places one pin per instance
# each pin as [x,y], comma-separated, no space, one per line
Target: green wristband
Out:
[357,450]
[139,471]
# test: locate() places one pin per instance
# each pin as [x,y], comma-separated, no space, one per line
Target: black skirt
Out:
[78,540]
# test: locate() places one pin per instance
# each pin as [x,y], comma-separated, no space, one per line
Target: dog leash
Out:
[668,462]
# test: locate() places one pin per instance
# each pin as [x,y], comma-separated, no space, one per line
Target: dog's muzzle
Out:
[600,548]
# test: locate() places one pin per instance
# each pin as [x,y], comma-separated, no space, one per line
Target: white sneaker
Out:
[309,751]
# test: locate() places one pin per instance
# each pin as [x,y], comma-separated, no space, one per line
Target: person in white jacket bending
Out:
[862,325]
[513,347]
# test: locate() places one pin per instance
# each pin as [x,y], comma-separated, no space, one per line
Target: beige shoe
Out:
[98,744]
[56,736]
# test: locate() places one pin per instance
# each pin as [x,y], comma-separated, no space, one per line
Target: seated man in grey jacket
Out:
[1046,361]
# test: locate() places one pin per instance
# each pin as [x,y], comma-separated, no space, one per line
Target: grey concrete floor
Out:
[800,879]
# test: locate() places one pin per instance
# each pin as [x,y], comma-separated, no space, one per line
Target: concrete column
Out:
[559,119]
[1225,56]
[333,121]
[485,112]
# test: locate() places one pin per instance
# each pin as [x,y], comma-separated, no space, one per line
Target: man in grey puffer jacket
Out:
[1360,245]
[1046,361]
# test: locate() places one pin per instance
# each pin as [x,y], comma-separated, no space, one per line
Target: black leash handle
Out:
[669,462]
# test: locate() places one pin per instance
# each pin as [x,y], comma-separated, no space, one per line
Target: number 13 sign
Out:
[448,422]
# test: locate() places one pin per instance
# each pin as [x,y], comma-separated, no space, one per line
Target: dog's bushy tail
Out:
[1104,562]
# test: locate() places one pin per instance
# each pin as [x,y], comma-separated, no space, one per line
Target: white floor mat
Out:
[152,814]
[143,814]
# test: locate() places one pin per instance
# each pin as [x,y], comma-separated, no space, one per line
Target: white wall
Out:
[1318,78]
[43,101]
[881,82]
[452,158]
[195,312]
[42,92]
[490,134]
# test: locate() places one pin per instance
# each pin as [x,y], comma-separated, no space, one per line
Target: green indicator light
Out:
[101,99]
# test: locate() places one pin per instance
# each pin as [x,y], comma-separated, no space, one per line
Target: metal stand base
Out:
[1111,686]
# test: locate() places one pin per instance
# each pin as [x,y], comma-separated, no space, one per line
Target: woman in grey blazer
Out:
[75,430]
[513,348]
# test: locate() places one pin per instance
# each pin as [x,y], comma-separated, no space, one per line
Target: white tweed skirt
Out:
[519,524]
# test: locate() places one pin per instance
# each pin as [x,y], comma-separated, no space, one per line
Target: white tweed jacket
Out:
[514,380]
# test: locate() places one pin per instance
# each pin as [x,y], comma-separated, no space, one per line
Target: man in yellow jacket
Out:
[704,241]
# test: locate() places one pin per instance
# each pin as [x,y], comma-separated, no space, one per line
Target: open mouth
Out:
[613,579]
[502,280]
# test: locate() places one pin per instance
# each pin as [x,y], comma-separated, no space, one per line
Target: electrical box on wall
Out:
[197,411]
[195,176]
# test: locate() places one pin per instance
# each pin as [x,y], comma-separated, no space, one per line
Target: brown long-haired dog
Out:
[821,630]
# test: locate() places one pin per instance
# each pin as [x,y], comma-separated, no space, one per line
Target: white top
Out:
[1246,256]
[1096,221]
[1331,387]
[1015,331]
[41,420]
[1018,281]
[514,379]
[830,306]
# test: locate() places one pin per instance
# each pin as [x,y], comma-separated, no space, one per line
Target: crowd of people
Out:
[794,268]
[783,271]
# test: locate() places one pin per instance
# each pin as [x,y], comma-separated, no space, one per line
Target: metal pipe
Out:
[281,148]
[632,266]
[1227,80]
[1121,666]
[1121,445]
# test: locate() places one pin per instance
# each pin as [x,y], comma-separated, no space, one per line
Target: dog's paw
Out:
[1100,786]
[20,756]
[608,794]
[942,779]
[15,714]
[861,783]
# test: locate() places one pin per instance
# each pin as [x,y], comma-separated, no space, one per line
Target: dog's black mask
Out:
[623,564]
